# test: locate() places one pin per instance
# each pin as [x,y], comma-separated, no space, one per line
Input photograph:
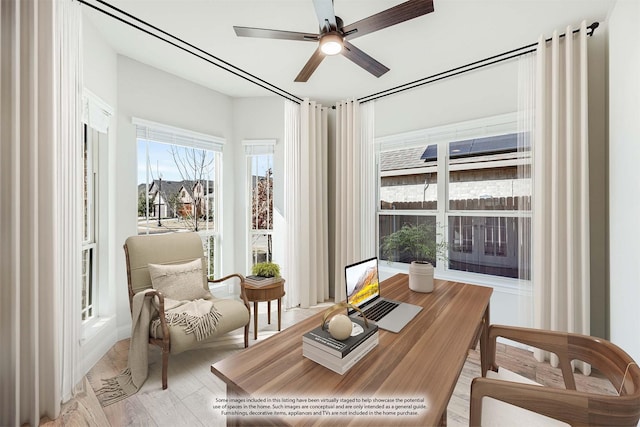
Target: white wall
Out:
[255,118]
[148,93]
[624,175]
[486,92]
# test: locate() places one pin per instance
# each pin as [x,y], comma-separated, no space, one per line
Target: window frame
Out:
[252,149]
[96,120]
[90,221]
[149,131]
[442,136]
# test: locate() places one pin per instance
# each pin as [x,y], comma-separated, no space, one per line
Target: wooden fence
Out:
[490,204]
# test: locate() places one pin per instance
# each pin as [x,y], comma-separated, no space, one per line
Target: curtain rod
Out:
[226,65]
[514,53]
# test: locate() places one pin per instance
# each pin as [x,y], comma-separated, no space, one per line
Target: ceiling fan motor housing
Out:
[339,25]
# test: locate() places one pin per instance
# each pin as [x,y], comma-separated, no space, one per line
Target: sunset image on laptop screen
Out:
[362,282]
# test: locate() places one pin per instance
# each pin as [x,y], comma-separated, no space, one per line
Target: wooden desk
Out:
[423,360]
[266,293]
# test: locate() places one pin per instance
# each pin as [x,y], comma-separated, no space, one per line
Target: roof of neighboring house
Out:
[479,147]
[169,188]
[189,185]
[408,158]
[417,157]
[166,187]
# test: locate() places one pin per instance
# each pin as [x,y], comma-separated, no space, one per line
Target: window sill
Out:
[98,336]
[94,327]
[502,284]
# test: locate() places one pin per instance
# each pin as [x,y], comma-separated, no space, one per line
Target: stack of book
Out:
[339,356]
[260,281]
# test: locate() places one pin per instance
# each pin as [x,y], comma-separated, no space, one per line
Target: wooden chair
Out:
[566,405]
[177,248]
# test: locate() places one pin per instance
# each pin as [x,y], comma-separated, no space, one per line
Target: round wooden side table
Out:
[266,293]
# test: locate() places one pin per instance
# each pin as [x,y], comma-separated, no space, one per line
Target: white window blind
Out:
[484,127]
[95,112]
[158,132]
[259,146]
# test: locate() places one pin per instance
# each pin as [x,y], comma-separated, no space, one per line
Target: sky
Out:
[161,162]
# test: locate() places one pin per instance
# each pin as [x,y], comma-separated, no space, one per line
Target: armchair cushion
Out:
[182,282]
[233,315]
[498,413]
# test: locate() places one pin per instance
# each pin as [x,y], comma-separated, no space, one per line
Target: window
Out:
[479,216]
[495,239]
[408,202]
[407,180]
[461,238]
[89,191]
[179,185]
[489,204]
[260,200]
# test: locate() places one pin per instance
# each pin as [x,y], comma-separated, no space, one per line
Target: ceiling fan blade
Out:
[392,16]
[326,14]
[275,34]
[363,60]
[310,66]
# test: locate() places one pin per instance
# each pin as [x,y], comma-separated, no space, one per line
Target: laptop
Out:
[363,291]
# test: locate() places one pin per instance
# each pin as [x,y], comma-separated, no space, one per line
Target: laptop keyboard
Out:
[379,310]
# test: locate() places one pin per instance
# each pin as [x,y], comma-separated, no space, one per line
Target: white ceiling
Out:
[456,33]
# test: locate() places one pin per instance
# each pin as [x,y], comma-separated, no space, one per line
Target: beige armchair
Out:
[519,401]
[172,249]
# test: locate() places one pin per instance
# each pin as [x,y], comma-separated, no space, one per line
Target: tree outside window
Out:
[261,204]
[262,217]
[180,193]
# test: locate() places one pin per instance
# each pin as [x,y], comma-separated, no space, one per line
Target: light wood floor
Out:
[193,388]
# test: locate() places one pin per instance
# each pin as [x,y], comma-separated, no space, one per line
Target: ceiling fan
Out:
[334,36]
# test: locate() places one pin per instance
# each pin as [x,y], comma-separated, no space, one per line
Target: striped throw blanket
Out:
[199,317]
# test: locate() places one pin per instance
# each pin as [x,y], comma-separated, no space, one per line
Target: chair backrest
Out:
[608,358]
[619,368]
[613,362]
[167,248]
[605,356]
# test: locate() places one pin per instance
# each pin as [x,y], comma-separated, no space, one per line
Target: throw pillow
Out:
[179,281]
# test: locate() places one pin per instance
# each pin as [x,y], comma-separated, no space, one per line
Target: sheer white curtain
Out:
[306,266]
[561,187]
[525,127]
[69,189]
[40,216]
[355,188]
[368,181]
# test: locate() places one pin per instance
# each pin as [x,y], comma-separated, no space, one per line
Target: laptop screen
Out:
[362,282]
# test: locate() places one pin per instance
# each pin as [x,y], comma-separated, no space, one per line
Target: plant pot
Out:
[421,276]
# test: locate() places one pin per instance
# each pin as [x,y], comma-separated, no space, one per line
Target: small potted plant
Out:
[420,243]
[264,273]
[266,269]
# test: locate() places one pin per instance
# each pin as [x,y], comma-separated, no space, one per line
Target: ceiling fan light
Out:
[331,43]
